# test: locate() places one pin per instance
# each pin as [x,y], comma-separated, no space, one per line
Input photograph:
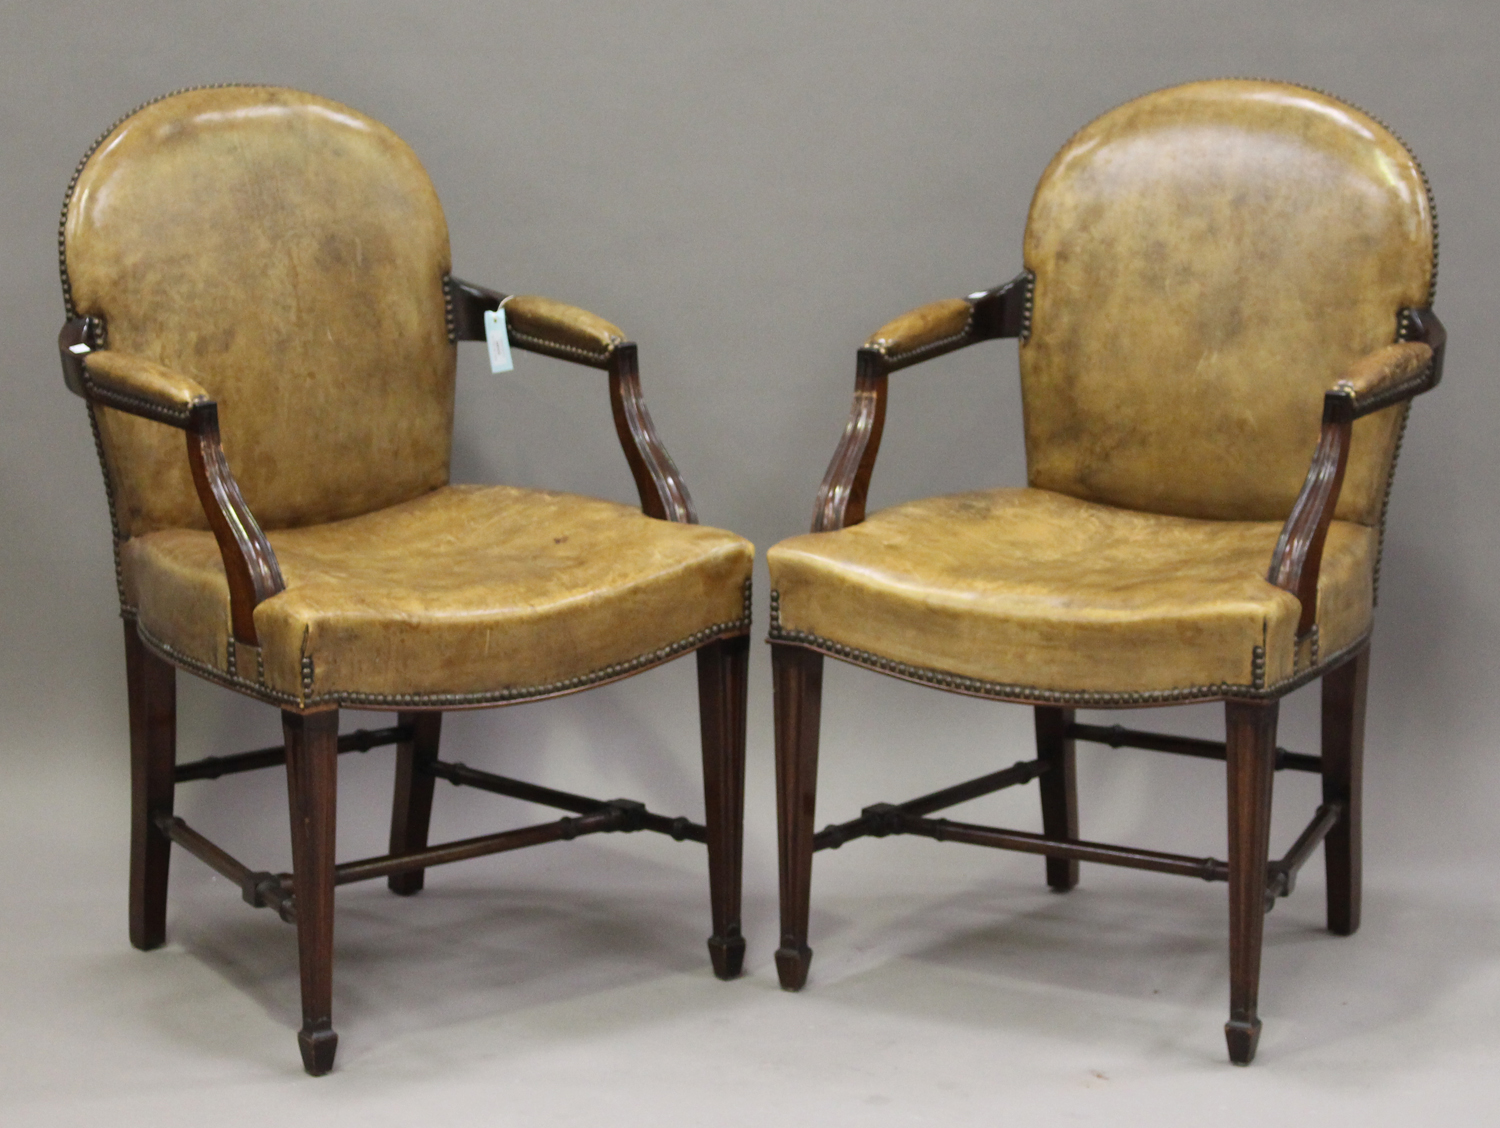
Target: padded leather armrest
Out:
[931,326]
[951,324]
[547,326]
[1386,376]
[133,383]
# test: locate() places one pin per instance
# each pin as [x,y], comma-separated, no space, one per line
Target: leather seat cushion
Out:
[479,593]
[1044,593]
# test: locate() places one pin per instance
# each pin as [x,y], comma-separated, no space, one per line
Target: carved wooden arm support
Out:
[141,387]
[566,332]
[928,331]
[1385,377]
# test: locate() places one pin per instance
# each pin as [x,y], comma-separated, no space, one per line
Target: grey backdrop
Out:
[748,189]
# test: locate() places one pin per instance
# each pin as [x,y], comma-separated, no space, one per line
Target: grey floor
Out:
[570,985]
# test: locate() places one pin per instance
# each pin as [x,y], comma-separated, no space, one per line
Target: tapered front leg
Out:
[1059,788]
[1251,752]
[312,755]
[723,668]
[152,687]
[797,684]
[411,805]
[1343,783]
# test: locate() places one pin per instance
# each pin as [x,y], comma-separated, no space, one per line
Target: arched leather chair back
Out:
[289,254]
[1208,260]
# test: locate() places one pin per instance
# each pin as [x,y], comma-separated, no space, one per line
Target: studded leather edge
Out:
[541,344]
[509,696]
[1028,305]
[1033,695]
[1385,505]
[450,316]
[931,347]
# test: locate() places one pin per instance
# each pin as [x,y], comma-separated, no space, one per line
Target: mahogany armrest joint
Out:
[466,306]
[79,337]
[143,388]
[555,329]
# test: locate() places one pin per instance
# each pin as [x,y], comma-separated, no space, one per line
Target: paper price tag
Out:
[498,341]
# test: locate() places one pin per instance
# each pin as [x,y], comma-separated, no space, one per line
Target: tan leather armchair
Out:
[266,273]
[1224,311]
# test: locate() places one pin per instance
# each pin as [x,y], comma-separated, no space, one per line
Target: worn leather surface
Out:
[1385,369]
[287,254]
[468,590]
[926,325]
[143,379]
[1209,259]
[563,326]
[1035,589]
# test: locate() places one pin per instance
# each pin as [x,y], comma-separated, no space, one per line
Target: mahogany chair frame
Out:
[1249,750]
[313,743]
